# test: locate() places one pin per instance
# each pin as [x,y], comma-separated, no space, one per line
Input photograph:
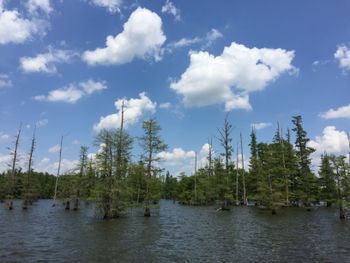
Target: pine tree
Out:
[305,176]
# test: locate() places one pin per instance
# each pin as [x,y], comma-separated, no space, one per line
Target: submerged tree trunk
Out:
[58,172]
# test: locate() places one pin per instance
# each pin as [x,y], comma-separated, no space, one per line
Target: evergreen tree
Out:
[151,143]
[305,178]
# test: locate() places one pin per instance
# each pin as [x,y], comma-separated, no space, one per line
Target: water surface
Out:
[174,233]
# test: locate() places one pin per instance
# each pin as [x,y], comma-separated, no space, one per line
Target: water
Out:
[174,233]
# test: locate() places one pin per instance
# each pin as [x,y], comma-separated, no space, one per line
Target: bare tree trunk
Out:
[286,183]
[243,175]
[237,200]
[13,170]
[58,172]
[195,178]
[27,194]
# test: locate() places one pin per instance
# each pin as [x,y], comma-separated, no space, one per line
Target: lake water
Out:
[173,233]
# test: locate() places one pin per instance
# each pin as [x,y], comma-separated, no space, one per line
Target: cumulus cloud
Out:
[332,141]
[45,62]
[112,6]
[142,38]
[341,112]
[260,125]
[46,165]
[5,81]
[342,55]
[177,161]
[15,28]
[230,77]
[73,92]
[171,9]
[134,109]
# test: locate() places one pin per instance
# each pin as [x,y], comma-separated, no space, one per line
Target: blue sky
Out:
[66,65]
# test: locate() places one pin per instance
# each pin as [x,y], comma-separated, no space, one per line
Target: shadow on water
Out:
[173,233]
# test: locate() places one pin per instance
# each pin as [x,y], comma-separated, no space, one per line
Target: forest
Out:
[279,175]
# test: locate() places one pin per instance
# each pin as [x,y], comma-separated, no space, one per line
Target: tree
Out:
[28,195]
[327,183]
[226,142]
[303,152]
[342,181]
[12,181]
[151,143]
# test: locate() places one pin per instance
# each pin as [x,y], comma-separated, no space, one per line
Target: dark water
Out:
[174,233]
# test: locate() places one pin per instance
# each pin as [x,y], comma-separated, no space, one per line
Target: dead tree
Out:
[243,175]
[28,195]
[58,172]
[12,185]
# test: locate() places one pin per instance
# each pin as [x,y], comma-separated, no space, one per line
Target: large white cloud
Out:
[342,55]
[15,28]
[111,5]
[45,62]
[341,112]
[134,109]
[142,37]
[332,141]
[73,92]
[231,76]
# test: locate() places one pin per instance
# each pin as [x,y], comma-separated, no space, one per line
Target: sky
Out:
[66,66]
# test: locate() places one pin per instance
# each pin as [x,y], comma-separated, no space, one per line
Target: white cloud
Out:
[76,142]
[231,76]
[35,5]
[260,125]
[341,112]
[5,81]
[208,40]
[142,37]
[343,56]
[73,92]
[4,136]
[45,62]
[45,165]
[177,161]
[134,109]
[165,105]
[54,149]
[112,6]
[211,36]
[171,9]
[184,42]
[332,141]
[42,123]
[14,28]
[5,160]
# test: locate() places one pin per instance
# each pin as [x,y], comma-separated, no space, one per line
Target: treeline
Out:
[279,174]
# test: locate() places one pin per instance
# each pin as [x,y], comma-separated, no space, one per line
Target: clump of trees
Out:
[279,174]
